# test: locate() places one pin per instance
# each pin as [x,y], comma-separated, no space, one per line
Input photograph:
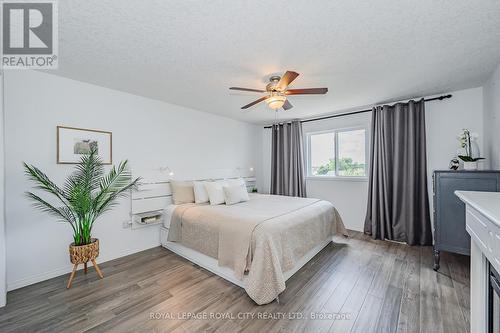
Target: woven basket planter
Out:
[84,253]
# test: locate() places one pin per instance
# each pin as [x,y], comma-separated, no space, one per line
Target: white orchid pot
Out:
[470,165]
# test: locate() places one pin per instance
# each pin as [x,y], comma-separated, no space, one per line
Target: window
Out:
[337,153]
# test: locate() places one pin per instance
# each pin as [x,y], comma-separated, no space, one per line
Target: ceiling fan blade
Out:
[247,89]
[287,105]
[287,78]
[255,102]
[307,91]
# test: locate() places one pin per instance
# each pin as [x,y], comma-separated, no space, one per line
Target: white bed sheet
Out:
[167,215]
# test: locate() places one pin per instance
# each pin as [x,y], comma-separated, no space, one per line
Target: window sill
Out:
[349,179]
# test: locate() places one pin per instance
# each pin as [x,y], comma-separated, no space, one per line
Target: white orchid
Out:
[465,138]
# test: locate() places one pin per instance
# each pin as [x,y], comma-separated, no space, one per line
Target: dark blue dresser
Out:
[449,212]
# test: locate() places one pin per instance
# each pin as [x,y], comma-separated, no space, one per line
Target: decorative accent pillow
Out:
[235,181]
[200,192]
[215,193]
[235,194]
[182,192]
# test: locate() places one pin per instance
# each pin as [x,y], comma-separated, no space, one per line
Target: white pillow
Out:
[235,194]
[200,192]
[235,181]
[215,192]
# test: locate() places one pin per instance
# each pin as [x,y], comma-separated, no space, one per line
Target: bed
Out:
[257,244]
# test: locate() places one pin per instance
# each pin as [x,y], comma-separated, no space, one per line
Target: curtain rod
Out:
[440,98]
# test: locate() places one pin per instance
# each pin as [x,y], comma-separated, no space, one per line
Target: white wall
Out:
[149,133]
[491,97]
[444,120]
[3,273]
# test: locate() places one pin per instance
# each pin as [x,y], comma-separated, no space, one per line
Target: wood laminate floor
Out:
[357,285]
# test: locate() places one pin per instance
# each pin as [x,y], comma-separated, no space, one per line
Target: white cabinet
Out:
[483,225]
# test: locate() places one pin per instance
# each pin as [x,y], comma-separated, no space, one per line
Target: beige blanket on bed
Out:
[265,235]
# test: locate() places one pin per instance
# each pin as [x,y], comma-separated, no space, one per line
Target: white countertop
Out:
[487,203]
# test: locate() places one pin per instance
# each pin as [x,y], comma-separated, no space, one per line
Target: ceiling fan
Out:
[277,92]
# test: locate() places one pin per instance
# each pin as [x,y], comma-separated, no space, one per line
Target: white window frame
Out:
[335,132]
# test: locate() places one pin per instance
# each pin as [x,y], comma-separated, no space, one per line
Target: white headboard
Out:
[154,196]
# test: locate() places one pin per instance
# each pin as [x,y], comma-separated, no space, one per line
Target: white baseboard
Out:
[65,270]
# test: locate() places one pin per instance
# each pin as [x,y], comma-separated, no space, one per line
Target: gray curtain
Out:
[287,160]
[398,205]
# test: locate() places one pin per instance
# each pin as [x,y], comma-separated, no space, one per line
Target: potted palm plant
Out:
[86,194]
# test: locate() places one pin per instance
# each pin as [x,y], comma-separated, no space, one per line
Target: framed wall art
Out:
[73,142]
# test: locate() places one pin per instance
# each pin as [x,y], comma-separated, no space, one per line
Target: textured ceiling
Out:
[190,52]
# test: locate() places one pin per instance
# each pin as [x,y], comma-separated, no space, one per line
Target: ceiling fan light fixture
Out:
[277,92]
[276,100]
